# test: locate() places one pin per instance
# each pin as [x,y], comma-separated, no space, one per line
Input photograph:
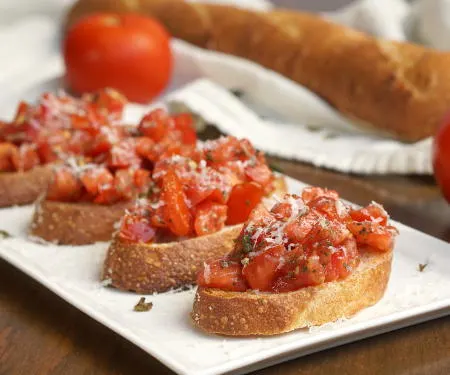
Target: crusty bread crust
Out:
[146,269]
[253,313]
[397,88]
[18,188]
[75,223]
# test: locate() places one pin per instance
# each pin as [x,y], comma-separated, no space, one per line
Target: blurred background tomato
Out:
[128,52]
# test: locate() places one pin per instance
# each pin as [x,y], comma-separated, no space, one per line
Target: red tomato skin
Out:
[222,274]
[441,158]
[176,212]
[128,52]
[210,218]
[243,199]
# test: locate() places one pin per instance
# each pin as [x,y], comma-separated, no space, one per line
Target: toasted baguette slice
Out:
[76,223]
[146,269]
[256,313]
[158,267]
[18,188]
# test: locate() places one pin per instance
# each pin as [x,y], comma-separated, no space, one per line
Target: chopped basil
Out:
[224,263]
[247,243]
[143,306]
[4,234]
[237,93]
[422,267]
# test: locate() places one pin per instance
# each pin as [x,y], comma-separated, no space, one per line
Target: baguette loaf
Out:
[252,313]
[18,188]
[75,223]
[398,89]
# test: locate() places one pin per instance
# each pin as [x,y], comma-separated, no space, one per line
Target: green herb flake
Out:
[4,234]
[224,263]
[422,267]
[247,243]
[143,306]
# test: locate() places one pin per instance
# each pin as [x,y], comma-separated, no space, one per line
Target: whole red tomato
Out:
[441,158]
[128,52]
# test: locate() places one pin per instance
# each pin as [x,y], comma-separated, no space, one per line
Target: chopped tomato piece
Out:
[65,187]
[123,155]
[108,195]
[145,147]
[209,218]
[7,152]
[261,271]
[25,158]
[185,124]
[96,179]
[155,124]
[176,211]
[243,199]
[373,212]
[259,173]
[311,193]
[373,235]
[136,229]
[124,183]
[142,178]
[223,274]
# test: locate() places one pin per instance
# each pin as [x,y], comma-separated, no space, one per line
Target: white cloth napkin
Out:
[31,64]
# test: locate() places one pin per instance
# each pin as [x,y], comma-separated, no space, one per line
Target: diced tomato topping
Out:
[136,229]
[311,193]
[7,152]
[222,274]
[25,158]
[141,178]
[373,212]
[261,270]
[185,124]
[124,183]
[373,235]
[65,187]
[177,214]
[97,179]
[259,173]
[243,199]
[209,218]
[303,242]
[155,124]
[123,155]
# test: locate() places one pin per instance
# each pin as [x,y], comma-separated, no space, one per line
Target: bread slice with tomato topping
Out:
[87,196]
[194,214]
[307,261]
[47,133]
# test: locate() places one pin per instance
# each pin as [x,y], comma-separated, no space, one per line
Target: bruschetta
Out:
[86,197]
[193,213]
[306,261]
[40,135]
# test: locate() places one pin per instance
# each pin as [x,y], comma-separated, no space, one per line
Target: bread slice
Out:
[158,267]
[18,188]
[257,313]
[76,223]
[147,269]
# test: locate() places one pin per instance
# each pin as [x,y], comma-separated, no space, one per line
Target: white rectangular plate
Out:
[166,333]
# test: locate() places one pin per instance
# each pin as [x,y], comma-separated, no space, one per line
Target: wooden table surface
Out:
[41,334]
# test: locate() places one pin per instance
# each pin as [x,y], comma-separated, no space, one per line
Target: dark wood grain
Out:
[42,334]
